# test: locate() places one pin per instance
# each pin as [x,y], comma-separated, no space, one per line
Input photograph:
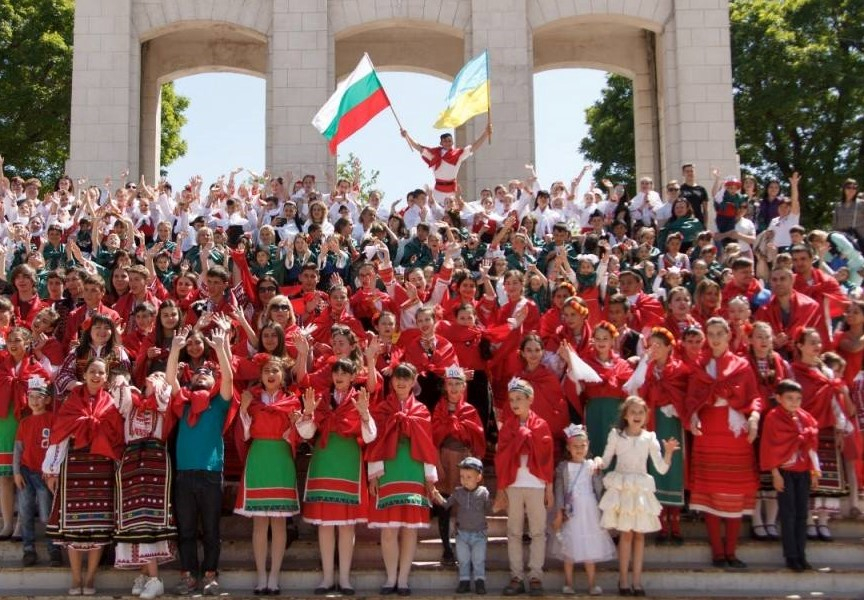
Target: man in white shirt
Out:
[789,215]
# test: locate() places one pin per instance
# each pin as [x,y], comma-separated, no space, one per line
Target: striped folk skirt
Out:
[82,517]
[401,499]
[268,487]
[145,520]
[723,477]
[336,486]
[8,429]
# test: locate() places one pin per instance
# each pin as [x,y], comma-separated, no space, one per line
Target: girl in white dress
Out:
[629,504]
[577,517]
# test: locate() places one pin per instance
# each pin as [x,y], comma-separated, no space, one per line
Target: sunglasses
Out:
[672,189]
[851,186]
[281,307]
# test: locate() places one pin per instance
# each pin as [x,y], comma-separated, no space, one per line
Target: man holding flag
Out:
[468,97]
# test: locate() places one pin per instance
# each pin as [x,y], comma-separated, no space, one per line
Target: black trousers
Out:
[198,499]
[794,503]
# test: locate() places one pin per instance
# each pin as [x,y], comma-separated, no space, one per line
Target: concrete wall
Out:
[676,52]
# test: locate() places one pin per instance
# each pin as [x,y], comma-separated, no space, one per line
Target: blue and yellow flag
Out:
[469,94]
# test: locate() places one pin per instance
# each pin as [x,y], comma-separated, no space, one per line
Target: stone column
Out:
[299,80]
[103,137]
[696,67]
[502,27]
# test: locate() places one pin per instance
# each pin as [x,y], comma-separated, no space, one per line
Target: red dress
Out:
[457,435]
[723,476]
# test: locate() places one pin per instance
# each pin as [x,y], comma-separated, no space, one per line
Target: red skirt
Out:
[723,476]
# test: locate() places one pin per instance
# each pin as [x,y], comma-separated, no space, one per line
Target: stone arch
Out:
[647,15]
[188,48]
[152,19]
[346,17]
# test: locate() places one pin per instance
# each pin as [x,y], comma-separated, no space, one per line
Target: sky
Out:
[217,143]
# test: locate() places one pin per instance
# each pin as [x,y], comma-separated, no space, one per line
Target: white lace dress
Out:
[629,503]
[581,538]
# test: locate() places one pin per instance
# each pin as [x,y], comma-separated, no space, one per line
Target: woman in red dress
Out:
[769,368]
[723,408]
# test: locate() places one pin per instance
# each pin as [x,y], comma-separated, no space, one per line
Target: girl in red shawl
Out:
[268,488]
[336,498]
[17,366]
[850,343]
[186,290]
[573,327]
[430,353]
[739,322]
[86,440]
[770,368]
[692,347]
[723,407]
[457,433]
[551,319]
[600,402]
[25,299]
[663,386]
[464,285]
[678,317]
[522,317]
[46,347]
[402,473]
[153,353]
[706,301]
[337,312]
[826,397]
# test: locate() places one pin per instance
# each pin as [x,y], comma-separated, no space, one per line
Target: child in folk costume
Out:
[336,498]
[86,441]
[826,398]
[723,408]
[629,504]
[268,488]
[17,366]
[145,538]
[789,438]
[457,433]
[402,472]
[770,368]
[577,516]
[661,379]
[524,464]
[34,497]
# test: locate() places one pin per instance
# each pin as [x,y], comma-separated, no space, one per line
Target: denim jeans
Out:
[471,551]
[34,500]
[198,495]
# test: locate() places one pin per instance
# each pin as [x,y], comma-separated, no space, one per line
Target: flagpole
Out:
[488,97]
[386,95]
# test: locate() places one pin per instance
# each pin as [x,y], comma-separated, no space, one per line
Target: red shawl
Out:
[326,320]
[613,376]
[198,402]
[803,312]
[818,391]
[13,388]
[768,384]
[562,332]
[675,326]
[823,288]
[31,308]
[444,355]
[92,420]
[271,421]
[439,155]
[532,438]
[463,424]
[394,421]
[669,387]
[646,311]
[783,437]
[369,304]
[344,419]
[731,290]
[735,383]
[466,343]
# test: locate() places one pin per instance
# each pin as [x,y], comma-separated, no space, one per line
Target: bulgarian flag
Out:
[355,102]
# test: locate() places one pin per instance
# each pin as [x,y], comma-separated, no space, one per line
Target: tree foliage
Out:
[36,89]
[610,143]
[173,120]
[35,85]
[352,169]
[798,76]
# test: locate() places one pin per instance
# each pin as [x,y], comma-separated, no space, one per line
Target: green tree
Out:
[173,120]
[36,89]
[35,85]
[798,72]
[798,76]
[611,141]
[352,170]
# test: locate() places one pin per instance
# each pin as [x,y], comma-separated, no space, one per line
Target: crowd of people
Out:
[616,358]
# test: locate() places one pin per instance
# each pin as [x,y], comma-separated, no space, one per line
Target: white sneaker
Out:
[138,585]
[152,589]
[568,590]
[595,591]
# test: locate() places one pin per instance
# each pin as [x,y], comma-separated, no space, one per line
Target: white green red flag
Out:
[356,101]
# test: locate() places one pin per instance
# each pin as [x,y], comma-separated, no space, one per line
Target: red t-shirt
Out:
[33,433]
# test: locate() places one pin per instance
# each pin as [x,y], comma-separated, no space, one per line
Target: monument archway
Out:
[676,52]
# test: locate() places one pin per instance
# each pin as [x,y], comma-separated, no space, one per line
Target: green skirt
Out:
[269,484]
[402,499]
[336,487]
[669,487]
[601,414]
[8,429]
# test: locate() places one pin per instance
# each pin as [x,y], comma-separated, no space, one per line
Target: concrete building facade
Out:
[676,52]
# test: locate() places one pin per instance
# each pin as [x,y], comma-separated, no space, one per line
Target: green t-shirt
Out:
[201,448]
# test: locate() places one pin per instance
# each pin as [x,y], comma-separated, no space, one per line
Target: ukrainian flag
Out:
[469,94]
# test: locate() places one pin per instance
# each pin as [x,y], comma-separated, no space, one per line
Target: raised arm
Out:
[483,137]
[414,145]
[794,194]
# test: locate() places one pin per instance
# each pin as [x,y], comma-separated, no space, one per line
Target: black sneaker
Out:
[735,563]
[535,587]
[29,559]
[55,557]
[794,566]
[480,587]
[464,587]
[515,587]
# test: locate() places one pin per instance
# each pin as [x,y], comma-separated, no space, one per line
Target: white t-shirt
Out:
[781,226]
[746,227]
